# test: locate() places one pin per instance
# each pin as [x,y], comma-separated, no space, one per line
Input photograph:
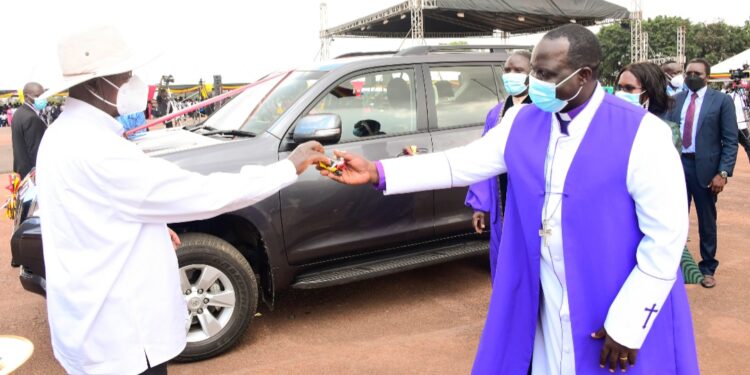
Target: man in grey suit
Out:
[709,150]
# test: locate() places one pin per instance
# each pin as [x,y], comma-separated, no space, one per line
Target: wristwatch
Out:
[723,174]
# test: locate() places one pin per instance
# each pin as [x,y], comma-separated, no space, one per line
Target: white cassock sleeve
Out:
[153,190]
[461,166]
[656,182]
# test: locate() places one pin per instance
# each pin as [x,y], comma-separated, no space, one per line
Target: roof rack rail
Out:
[424,50]
[358,54]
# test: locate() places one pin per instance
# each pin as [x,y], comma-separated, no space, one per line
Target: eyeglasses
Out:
[627,88]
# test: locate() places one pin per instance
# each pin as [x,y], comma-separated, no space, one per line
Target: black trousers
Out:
[744,139]
[503,184]
[156,370]
[705,207]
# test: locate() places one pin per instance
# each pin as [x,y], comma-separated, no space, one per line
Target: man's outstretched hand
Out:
[357,171]
[614,354]
[307,154]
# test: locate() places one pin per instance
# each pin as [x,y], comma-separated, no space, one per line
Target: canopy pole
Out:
[325,40]
[417,22]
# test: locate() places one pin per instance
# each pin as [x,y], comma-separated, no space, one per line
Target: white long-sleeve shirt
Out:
[113,287]
[739,111]
[656,183]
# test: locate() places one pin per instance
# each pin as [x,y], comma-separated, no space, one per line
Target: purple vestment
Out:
[485,196]
[600,236]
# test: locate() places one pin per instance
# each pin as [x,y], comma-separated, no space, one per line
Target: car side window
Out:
[373,104]
[463,94]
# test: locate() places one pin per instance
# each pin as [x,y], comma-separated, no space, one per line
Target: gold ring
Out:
[623,358]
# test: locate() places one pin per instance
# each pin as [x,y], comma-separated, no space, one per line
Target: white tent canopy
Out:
[732,63]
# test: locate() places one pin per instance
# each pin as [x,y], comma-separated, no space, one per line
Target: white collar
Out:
[574,128]
[701,92]
[79,107]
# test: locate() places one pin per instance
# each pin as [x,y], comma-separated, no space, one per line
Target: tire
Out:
[228,273]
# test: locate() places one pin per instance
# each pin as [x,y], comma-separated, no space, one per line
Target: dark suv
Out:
[315,233]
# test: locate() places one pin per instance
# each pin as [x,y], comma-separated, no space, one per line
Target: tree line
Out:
[714,42]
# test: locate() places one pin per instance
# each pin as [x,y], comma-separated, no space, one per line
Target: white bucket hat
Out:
[96,52]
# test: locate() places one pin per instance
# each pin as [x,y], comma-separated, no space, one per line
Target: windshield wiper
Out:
[199,126]
[234,132]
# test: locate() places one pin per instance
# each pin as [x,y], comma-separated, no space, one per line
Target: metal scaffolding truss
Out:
[325,43]
[639,48]
[396,35]
[517,17]
[681,44]
[469,18]
[637,53]
[680,58]
[397,10]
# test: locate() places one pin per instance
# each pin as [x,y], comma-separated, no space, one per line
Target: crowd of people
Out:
[162,105]
[48,114]
[602,292]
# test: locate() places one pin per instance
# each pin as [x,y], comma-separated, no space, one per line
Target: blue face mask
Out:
[40,104]
[131,121]
[515,83]
[634,99]
[544,94]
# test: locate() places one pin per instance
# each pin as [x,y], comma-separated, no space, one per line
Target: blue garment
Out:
[715,132]
[133,121]
[715,147]
[672,91]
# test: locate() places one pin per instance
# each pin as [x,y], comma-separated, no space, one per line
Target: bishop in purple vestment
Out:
[587,278]
[489,195]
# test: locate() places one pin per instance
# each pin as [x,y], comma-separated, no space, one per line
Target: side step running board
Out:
[383,266]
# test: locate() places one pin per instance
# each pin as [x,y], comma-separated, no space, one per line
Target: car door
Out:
[458,103]
[382,111]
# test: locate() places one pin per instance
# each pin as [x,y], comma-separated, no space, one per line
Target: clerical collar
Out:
[570,115]
[564,118]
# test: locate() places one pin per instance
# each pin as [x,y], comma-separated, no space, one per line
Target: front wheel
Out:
[221,294]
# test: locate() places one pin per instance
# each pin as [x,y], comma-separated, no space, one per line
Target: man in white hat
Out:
[113,289]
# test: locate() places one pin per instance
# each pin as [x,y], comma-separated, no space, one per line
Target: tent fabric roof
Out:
[732,63]
[480,18]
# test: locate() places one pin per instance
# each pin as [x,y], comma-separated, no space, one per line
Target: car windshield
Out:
[258,107]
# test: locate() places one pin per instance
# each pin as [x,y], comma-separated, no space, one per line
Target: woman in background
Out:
[643,84]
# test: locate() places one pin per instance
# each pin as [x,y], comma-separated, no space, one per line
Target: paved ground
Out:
[425,321]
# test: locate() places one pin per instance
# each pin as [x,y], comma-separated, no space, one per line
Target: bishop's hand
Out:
[613,354]
[357,170]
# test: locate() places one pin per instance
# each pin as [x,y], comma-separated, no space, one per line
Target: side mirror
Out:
[324,128]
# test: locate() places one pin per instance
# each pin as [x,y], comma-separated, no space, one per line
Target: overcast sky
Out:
[240,40]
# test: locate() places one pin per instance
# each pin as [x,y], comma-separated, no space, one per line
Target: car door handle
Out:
[412,150]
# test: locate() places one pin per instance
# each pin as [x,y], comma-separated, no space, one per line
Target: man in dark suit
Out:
[709,150]
[28,128]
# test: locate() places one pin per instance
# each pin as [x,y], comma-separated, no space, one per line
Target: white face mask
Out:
[131,96]
[677,81]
